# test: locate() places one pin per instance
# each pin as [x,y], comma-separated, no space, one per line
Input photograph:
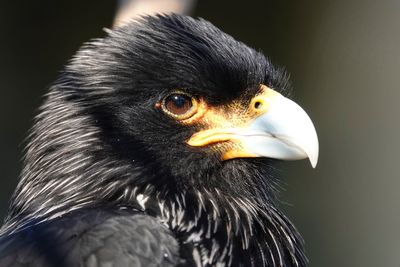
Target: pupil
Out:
[179,101]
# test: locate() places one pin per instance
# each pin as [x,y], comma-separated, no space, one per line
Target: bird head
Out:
[200,108]
[166,101]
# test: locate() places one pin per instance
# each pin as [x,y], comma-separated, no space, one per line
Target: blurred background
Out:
[344,60]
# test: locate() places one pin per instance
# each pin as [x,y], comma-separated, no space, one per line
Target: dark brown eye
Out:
[179,105]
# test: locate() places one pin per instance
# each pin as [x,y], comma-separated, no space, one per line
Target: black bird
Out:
[156,146]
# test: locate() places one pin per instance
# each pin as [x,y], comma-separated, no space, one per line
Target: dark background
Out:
[345,63]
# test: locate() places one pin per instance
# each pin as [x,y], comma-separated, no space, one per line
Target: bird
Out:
[159,144]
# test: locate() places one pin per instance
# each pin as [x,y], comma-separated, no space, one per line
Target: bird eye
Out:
[179,105]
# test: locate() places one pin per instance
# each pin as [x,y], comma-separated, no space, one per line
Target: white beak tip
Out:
[313,162]
[313,152]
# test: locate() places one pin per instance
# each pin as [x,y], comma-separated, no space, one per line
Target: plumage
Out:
[92,237]
[109,179]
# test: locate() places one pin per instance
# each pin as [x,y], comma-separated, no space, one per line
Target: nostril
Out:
[257,105]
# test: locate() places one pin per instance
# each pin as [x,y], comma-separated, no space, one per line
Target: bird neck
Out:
[66,169]
[214,228]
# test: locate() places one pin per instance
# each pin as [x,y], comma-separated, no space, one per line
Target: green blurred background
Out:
[344,60]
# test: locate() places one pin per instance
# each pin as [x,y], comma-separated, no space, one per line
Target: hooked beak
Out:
[279,129]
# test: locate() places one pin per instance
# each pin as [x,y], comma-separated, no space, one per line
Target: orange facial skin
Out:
[219,123]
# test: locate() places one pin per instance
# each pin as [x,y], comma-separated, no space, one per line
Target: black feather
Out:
[120,237]
[99,145]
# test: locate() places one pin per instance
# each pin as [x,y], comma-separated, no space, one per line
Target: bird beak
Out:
[278,128]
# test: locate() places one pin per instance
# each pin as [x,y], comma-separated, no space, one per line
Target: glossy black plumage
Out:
[92,237]
[100,148]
